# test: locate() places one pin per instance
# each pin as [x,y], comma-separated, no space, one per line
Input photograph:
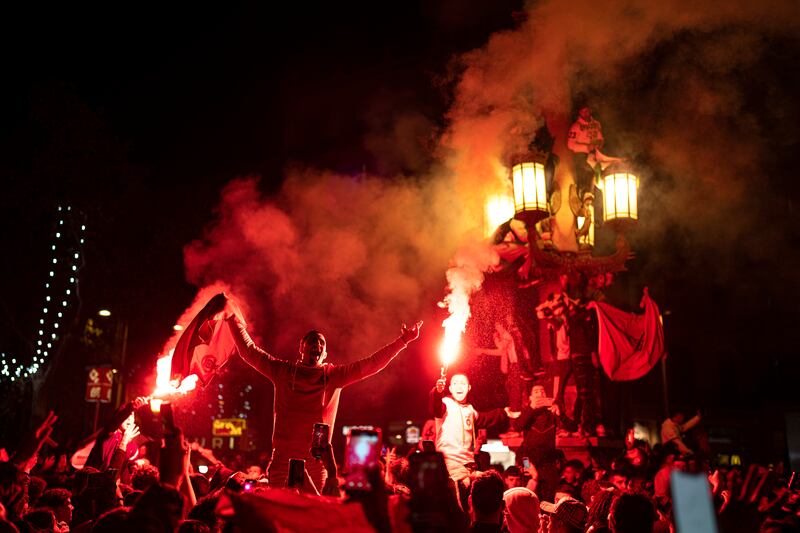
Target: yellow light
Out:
[104,312]
[155,405]
[177,327]
[530,187]
[620,191]
[499,209]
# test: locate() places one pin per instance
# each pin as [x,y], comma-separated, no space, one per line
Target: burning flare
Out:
[463,278]
[457,303]
[165,387]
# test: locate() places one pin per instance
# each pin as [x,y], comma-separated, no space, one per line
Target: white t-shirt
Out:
[582,135]
[455,436]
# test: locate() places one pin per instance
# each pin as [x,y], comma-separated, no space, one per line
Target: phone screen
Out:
[428,446]
[691,501]
[361,457]
[319,439]
[526,463]
[428,481]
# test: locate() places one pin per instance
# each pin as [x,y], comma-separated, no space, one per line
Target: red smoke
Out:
[356,257]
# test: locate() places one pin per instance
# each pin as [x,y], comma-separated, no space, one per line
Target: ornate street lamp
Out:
[620,203]
[530,187]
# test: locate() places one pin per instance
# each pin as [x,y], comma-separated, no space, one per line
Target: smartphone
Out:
[319,439]
[429,485]
[167,418]
[361,457]
[297,473]
[428,446]
[692,505]
[249,485]
[526,463]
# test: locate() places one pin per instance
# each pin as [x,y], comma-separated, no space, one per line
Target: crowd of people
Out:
[445,482]
[454,488]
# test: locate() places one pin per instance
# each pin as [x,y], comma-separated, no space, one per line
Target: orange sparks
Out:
[454,326]
[464,277]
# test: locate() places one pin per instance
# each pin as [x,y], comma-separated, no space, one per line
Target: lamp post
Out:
[530,187]
[546,258]
[620,197]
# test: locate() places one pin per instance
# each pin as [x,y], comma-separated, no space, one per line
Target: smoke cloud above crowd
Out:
[672,82]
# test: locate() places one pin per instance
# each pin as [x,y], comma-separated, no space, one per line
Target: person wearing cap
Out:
[522,510]
[566,516]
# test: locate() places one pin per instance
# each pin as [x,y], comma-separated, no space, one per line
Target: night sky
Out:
[139,117]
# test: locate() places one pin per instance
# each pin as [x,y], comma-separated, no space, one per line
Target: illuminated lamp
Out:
[530,187]
[498,210]
[104,312]
[620,203]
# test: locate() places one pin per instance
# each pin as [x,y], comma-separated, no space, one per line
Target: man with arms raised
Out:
[307,390]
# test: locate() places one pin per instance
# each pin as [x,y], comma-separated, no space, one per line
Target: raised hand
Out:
[740,512]
[29,450]
[139,402]
[440,383]
[130,432]
[410,334]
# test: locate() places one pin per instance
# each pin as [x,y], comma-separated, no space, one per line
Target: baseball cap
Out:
[568,510]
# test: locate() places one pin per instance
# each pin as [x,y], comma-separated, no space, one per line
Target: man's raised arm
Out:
[254,356]
[344,375]
[436,407]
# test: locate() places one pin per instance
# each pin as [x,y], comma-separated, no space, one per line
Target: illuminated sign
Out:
[228,427]
[99,384]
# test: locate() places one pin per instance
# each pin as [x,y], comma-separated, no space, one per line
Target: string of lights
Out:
[61,290]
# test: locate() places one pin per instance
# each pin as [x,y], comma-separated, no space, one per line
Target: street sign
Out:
[228,427]
[99,384]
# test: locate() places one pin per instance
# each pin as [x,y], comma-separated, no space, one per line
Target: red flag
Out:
[205,345]
[630,344]
[284,510]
